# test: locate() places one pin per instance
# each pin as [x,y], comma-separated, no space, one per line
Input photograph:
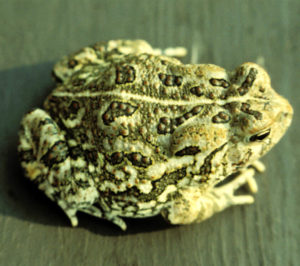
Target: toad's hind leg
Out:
[96,54]
[141,47]
[42,146]
[45,159]
[196,205]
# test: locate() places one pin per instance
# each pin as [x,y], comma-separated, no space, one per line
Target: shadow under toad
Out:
[25,88]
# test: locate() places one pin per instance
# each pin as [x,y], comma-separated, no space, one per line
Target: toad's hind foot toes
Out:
[96,212]
[259,166]
[242,199]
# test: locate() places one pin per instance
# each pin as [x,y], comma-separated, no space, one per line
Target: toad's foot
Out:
[171,51]
[196,205]
[259,166]
[91,210]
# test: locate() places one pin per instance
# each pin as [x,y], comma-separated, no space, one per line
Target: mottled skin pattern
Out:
[129,132]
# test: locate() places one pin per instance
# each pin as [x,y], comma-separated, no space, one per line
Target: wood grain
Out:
[34,34]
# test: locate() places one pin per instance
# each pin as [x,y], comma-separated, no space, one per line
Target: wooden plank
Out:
[33,35]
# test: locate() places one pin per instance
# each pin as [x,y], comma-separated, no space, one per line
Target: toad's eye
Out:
[260,136]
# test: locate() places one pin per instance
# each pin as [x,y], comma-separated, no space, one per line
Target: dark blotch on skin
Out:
[74,107]
[242,91]
[78,82]
[170,80]
[56,154]
[72,63]
[125,74]
[178,80]
[232,107]
[165,125]
[197,91]
[76,152]
[219,82]
[246,109]
[247,84]
[168,125]
[27,156]
[91,156]
[116,158]
[139,160]
[117,109]
[180,120]
[221,117]
[191,150]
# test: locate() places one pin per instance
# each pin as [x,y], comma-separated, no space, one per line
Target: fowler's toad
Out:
[130,132]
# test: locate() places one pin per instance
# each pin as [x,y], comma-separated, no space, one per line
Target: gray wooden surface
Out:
[34,34]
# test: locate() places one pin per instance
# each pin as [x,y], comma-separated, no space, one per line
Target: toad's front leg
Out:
[196,205]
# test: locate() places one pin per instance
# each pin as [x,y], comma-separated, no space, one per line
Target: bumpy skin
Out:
[129,132]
